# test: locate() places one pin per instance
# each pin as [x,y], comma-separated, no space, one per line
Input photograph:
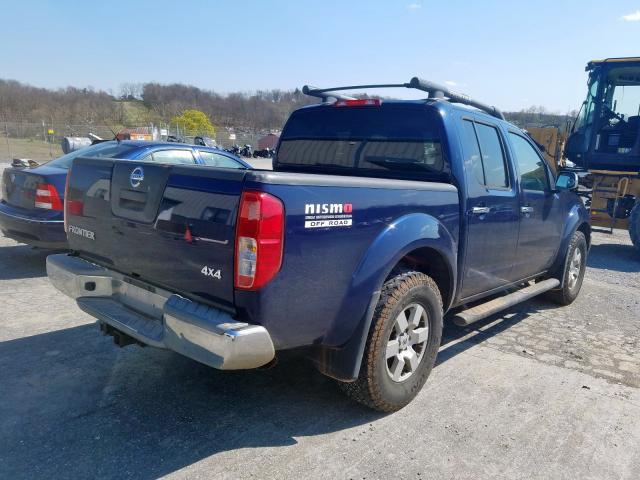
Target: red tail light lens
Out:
[47,197]
[71,207]
[360,102]
[259,239]
[66,201]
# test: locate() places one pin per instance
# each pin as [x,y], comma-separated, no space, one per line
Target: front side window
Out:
[173,157]
[533,175]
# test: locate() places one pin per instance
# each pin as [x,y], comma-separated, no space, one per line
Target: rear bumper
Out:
[160,318]
[33,231]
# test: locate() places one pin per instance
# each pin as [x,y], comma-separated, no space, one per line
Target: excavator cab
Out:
[605,142]
[606,133]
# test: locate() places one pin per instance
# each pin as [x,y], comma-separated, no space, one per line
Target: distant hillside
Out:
[539,117]
[150,102]
[139,104]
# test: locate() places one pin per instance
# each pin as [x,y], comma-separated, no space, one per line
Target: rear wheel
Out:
[575,264]
[402,345]
[634,226]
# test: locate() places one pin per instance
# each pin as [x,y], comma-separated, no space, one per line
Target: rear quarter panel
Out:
[329,274]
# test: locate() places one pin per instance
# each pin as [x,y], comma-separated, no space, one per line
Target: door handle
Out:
[480,210]
[526,210]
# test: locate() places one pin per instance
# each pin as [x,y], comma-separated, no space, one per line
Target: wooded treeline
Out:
[23,103]
[140,104]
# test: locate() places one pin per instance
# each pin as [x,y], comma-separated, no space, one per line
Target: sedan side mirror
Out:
[567,181]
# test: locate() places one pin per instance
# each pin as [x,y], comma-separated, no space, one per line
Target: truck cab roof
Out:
[440,104]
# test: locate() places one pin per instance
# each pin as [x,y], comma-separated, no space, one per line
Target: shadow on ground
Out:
[23,261]
[73,405]
[612,256]
[482,330]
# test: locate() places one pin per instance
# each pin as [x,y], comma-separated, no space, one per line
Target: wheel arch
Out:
[585,228]
[433,263]
[415,240]
[577,220]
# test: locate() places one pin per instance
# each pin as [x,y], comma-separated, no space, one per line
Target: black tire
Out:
[634,226]
[570,286]
[404,293]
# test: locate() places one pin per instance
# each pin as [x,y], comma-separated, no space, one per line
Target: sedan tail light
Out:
[47,197]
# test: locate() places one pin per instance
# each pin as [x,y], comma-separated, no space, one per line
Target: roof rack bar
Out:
[354,87]
[439,91]
[433,89]
[324,93]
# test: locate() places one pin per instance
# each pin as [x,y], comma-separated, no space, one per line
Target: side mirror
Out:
[567,181]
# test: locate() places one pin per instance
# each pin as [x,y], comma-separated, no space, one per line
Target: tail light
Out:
[47,197]
[359,102]
[66,202]
[259,239]
[71,207]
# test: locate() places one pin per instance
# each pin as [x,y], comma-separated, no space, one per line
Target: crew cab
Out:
[379,217]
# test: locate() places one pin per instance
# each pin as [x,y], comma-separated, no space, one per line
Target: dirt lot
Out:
[537,392]
[28,148]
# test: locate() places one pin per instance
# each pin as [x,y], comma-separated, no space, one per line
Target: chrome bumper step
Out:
[160,318]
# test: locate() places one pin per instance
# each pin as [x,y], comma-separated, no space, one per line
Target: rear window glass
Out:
[495,172]
[383,141]
[105,149]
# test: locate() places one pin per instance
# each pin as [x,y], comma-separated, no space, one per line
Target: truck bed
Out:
[177,231]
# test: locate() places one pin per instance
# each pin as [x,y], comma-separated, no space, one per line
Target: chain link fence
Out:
[42,141]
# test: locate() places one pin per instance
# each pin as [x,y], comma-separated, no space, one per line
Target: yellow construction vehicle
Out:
[605,142]
[551,141]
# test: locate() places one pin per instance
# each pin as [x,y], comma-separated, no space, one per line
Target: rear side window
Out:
[487,154]
[473,150]
[173,157]
[104,149]
[216,160]
[391,140]
[530,166]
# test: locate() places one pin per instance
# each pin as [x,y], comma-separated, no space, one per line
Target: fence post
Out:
[6,132]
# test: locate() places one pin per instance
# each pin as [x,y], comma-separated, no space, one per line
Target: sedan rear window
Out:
[104,149]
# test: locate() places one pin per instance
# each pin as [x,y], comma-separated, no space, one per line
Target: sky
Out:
[512,54]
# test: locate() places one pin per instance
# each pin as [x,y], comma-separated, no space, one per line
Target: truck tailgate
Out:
[168,225]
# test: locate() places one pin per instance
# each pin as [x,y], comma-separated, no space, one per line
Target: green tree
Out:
[194,122]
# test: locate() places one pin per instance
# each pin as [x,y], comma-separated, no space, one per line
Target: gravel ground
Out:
[536,392]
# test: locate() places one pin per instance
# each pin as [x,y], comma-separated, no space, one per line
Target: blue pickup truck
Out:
[378,218]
